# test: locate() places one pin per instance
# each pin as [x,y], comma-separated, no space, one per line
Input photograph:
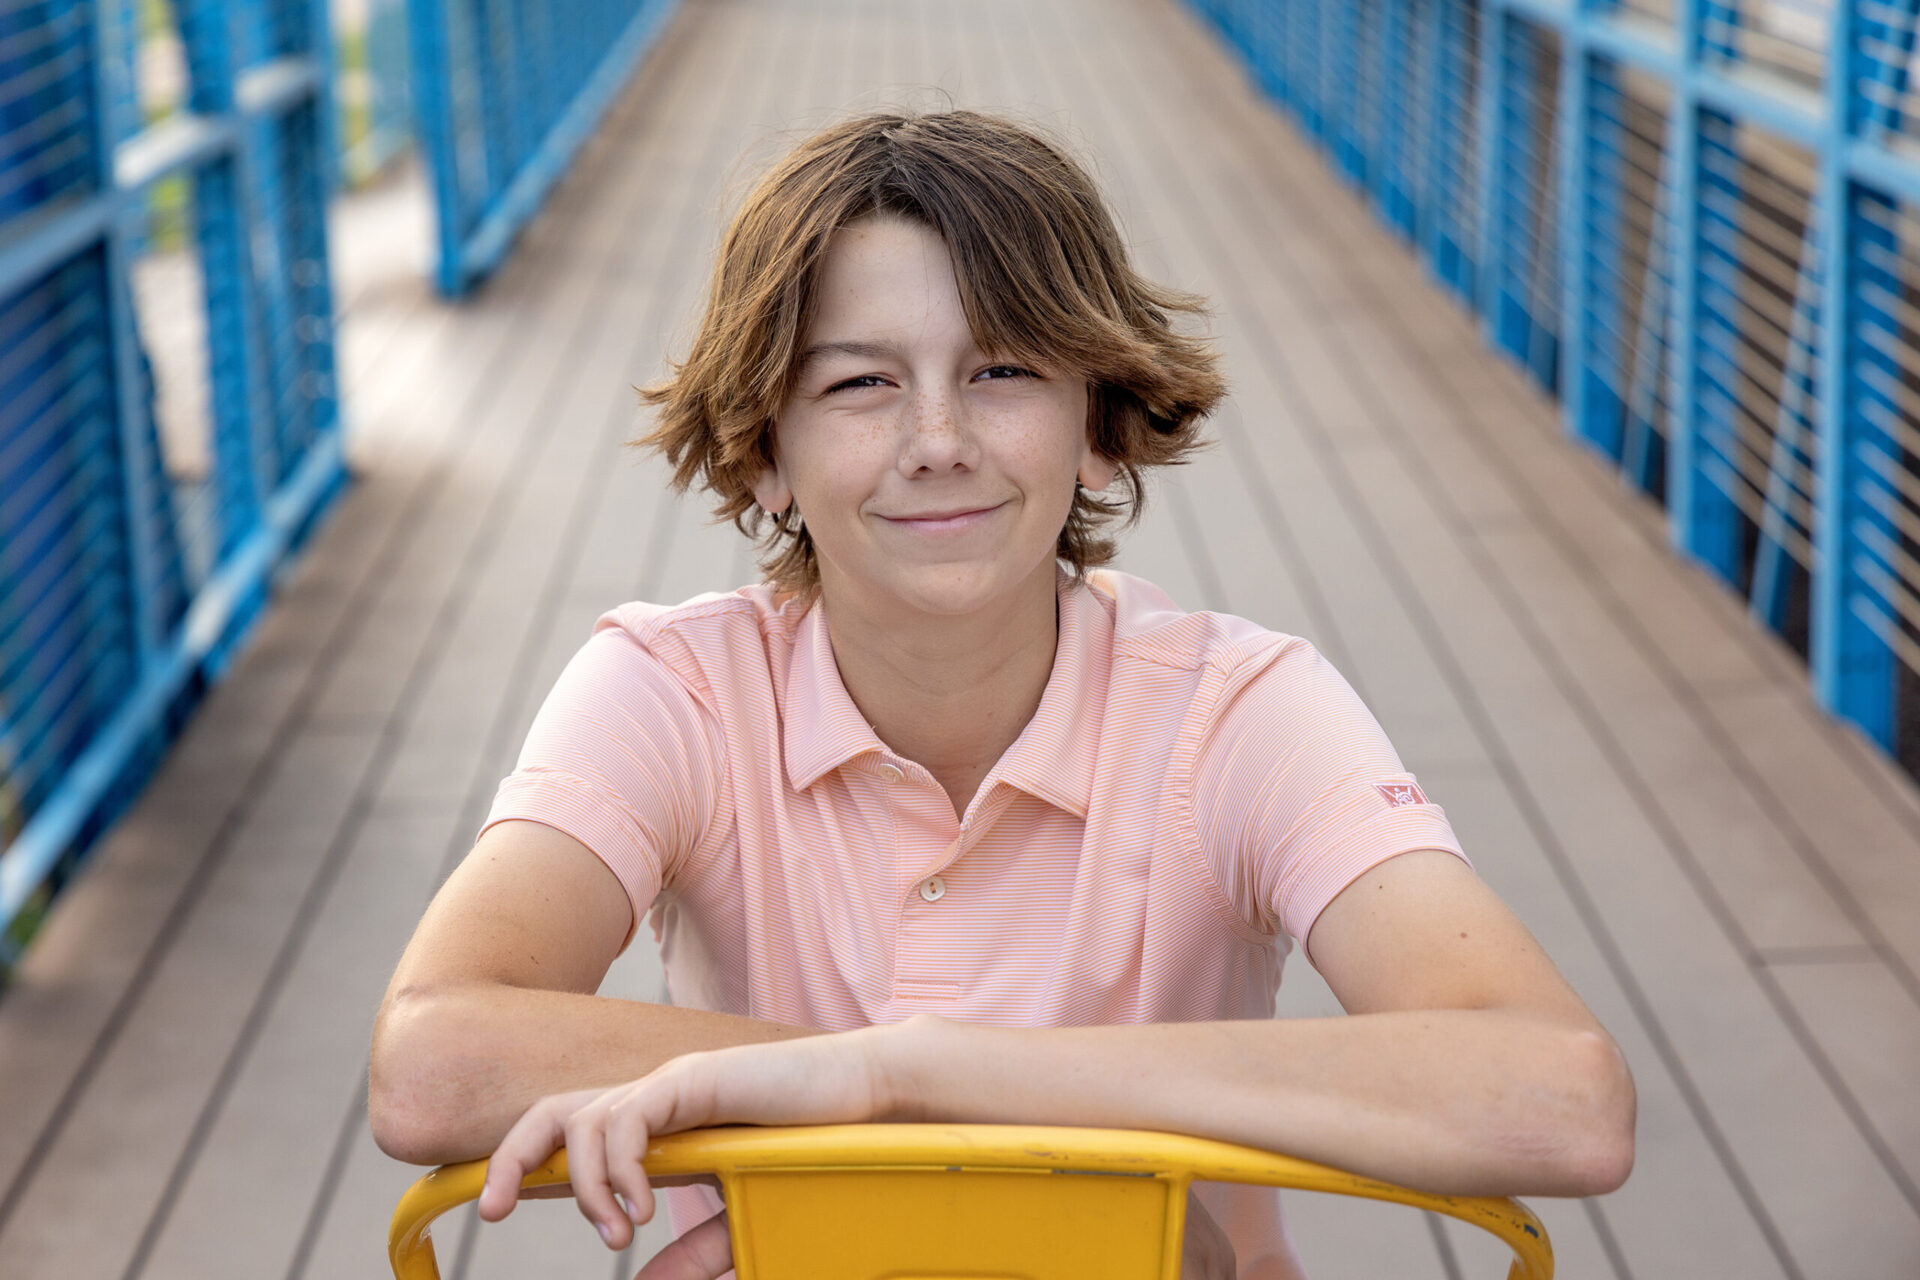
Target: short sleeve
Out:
[1297,791]
[623,757]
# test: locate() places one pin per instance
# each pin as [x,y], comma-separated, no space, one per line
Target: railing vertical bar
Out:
[1852,667]
[1712,518]
[1653,345]
[1588,192]
[432,97]
[138,491]
[1767,600]
[1489,278]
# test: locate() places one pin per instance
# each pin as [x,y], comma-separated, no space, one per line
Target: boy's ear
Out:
[1096,472]
[771,492]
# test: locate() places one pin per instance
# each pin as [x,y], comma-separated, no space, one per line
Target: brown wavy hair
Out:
[1043,276]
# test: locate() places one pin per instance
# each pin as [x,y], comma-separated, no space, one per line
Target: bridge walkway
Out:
[1729,878]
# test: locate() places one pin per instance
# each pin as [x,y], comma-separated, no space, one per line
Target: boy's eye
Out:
[1008,371]
[864,380]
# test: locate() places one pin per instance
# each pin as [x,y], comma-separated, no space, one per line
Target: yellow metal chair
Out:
[961,1202]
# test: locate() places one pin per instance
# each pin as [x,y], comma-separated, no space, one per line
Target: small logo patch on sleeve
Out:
[1399,793]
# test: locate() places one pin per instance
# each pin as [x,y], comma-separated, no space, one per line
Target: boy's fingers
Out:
[587,1170]
[704,1253]
[626,1150]
[534,1136]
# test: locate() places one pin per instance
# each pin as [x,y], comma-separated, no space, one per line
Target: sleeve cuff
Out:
[1398,830]
[579,809]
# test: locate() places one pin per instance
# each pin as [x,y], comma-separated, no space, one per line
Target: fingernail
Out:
[606,1234]
[626,1207]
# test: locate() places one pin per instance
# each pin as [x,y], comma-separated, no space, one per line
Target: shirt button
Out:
[891,773]
[933,888]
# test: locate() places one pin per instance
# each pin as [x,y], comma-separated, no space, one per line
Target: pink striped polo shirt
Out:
[1191,791]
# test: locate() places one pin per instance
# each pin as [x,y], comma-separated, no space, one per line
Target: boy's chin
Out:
[958,591]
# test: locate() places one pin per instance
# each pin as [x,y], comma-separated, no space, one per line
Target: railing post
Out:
[1593,141]
[1698,521]
[432,99]
[1342,99]
[1852,666]
[140,475]
[1490,268]
[1314,71]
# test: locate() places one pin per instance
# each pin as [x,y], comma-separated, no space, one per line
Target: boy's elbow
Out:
[1603,1157]
[401,1128]
[407,1095]
[398,1132]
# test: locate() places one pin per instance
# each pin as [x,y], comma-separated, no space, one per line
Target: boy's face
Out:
[932,475]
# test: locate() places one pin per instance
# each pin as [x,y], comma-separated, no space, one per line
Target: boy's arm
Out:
[1469,1067]
[491,1006]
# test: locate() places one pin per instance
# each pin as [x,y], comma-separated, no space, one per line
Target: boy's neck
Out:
[952,694]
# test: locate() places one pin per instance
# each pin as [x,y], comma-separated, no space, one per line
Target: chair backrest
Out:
[956,1202]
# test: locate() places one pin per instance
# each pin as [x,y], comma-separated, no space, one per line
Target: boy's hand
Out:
[704,1253]
[831,1079]
[844,1078]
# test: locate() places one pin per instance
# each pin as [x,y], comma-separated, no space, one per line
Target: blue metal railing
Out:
[168,421]
[168,424]
[505,91]
[1695,222]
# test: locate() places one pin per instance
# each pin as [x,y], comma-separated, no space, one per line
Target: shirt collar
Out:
[822,727]
[1052,759]
[1054,756]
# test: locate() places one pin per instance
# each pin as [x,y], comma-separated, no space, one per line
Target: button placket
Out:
[923,936]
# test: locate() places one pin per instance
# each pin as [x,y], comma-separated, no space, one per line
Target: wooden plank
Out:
[525,574]
[1786,891]
[630,518]
[241,1208]
[1771,896]
[1398,682]
[1827,803]
[697,556]
[346,1229]
[84,1209]
[1263,575]
[1871,1030]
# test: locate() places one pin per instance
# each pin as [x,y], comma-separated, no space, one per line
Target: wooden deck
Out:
[1731,881]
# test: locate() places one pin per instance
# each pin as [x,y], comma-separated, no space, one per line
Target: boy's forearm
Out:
[1457,1101]
[452,1070]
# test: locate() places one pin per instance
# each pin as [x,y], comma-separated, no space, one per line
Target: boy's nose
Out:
[937,435]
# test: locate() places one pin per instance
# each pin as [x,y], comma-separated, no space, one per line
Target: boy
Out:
[1025,840]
